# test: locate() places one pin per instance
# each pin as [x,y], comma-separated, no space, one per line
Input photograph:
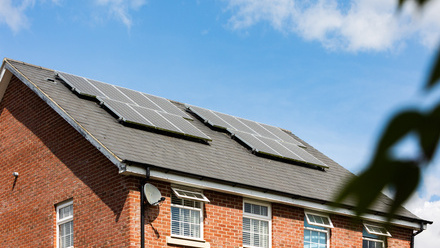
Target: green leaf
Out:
[401,125]
[429,132]
[367,187]
[405,181]
[435,73]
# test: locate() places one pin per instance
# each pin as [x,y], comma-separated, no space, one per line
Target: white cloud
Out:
[429,238]
[13,14]
[120,9]
[359,25]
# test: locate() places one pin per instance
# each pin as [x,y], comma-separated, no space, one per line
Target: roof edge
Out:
[266,195]
[59,110]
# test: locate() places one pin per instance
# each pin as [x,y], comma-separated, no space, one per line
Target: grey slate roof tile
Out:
[223,158]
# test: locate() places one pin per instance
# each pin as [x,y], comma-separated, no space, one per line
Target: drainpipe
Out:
[415,234]
[143,182]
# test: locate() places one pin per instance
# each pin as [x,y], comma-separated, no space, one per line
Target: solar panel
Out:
[152,118]
[280,148]
[167,106]
[258,128]
[79,84]
[110,91]
[255,144]
[93,88]
[262,138]
[281,134]
[235,123]
[185,126]
[209,116]
[306,156]
[125,112]
[140,99]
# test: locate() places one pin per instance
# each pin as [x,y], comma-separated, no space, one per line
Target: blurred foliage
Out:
[385,169]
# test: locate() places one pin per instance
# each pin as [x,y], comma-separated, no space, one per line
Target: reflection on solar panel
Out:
[261,138]
[152,118]
[93,88]
[135,107]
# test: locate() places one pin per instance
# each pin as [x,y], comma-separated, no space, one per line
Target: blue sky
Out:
[331,72]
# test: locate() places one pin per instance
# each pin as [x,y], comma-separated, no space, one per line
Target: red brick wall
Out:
[346,232]
[55,163]
[401,237]
[287,226]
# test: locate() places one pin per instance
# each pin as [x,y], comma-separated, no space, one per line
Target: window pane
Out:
[322,238]
[365,244]
[264,211]
[307,236]
[315,236]
[246,224]
[247,207]
[66,234]
[185,222]
[175,200]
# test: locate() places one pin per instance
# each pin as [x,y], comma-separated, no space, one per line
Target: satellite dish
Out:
[153,194]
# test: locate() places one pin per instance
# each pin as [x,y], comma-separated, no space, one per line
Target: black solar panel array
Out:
[262,138]
[135,107]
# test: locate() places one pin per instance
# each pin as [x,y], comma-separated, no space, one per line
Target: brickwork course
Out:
[57,163]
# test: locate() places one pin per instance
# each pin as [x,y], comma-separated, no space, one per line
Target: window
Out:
[374,236]
[256,224]
[187,213]
[316,230]
[65,225]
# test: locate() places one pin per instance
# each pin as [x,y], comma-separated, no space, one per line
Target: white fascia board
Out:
[5,78]
[259,195]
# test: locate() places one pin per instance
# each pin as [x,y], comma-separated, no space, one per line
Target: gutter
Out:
[135,169]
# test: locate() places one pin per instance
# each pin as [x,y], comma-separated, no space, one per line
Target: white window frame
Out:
[181,193]
[370,231]
[327,227]
[64,220]
[174,189]
[375,240]
[267,218]
[326,216]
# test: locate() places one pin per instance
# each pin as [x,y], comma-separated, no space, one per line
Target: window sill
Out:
[187,242]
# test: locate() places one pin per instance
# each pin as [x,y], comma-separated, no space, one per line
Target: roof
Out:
[222,158]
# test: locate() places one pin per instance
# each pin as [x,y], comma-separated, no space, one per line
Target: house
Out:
[77,155]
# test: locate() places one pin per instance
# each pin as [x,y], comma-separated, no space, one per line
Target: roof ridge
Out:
[24,63]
